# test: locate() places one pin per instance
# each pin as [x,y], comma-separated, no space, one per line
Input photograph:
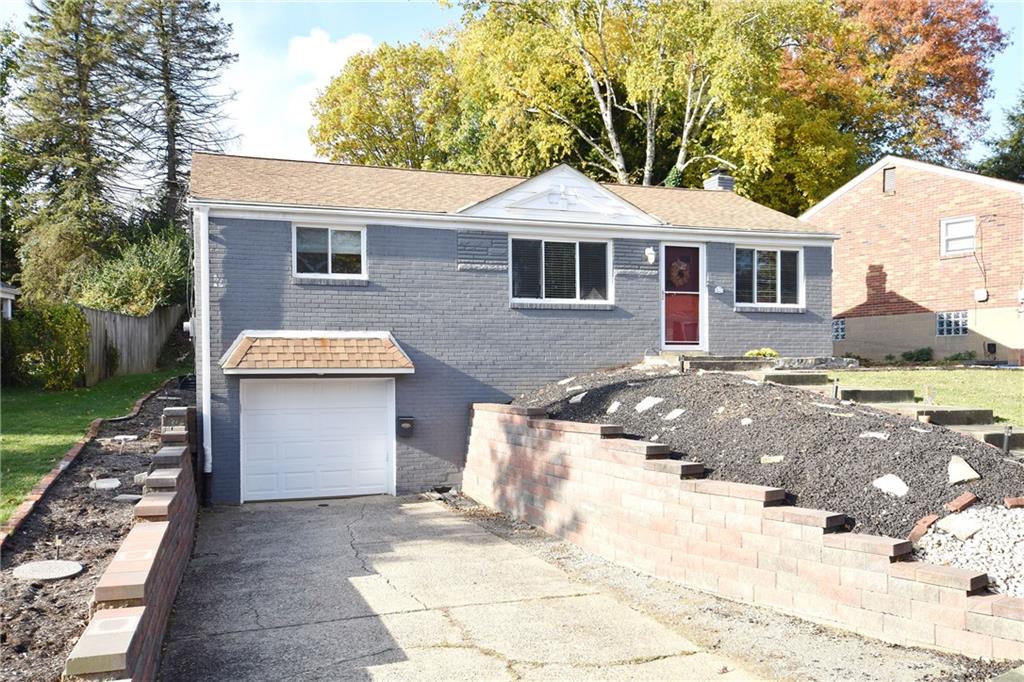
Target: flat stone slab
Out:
[105,484]
[647,403]
[128,497]
[577,398]
[51,569]
[125,437]
[962,527]
[960,471]
[891,484]
[880,435]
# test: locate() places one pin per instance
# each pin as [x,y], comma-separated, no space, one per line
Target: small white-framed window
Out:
[952,323]
[888,181]
[957,235]
[769,276]
[839,329]
[331,252]
[560,270]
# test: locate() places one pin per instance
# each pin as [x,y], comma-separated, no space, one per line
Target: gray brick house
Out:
[347,316]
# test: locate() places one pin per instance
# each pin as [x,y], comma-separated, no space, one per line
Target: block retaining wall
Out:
[629,502]
[132,599]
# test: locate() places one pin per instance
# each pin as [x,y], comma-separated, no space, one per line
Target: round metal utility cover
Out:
[105,484]
[52,569]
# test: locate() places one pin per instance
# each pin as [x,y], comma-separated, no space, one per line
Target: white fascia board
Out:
[449,221]
[323,371]
[897,161]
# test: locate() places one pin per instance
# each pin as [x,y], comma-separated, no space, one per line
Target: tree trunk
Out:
[166,29]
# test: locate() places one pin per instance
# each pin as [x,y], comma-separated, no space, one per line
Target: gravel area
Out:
[830,452]
[42,620]
[997,548]
[768,643]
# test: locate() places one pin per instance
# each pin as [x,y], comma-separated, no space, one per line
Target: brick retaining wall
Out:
[133,598]
[629,502]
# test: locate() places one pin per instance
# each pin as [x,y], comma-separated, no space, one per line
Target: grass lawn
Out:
[37,427]
[1000,390]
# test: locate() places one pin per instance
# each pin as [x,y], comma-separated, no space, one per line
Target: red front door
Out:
[681,279]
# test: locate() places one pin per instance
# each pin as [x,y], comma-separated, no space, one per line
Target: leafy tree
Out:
[1007,158]
[12,174]
[387,107]
[173,59]
[70,139]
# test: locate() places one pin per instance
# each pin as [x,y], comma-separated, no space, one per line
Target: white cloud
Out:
[271,112]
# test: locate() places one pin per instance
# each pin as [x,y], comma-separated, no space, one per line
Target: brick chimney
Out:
[719,180]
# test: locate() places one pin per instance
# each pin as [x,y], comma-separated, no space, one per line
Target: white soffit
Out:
[562,195]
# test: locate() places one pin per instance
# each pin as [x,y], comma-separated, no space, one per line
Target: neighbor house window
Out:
[767,277]
[330,252]
[559,270]
[951,324]
[889,181]
[839,329]
[957,236]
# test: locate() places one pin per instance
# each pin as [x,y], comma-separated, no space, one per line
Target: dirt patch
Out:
[773,645]
[830,452]
[42,620]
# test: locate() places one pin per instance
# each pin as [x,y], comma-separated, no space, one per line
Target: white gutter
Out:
[202,215]
[450,221]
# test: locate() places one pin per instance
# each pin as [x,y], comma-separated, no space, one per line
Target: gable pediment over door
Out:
[561,194]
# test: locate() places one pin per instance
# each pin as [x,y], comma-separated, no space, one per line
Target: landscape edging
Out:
[24,510]
[735,540]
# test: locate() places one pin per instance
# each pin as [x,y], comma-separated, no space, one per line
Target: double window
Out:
[957,235]
[951,324]
[560,270]
[768,277]
[330,252]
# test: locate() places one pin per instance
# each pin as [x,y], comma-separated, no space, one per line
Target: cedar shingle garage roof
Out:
[315,352]
[244,179]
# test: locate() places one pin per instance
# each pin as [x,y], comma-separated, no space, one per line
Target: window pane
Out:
[525,268]
[744,275]
[346,252]
[960,244]
[682,318]
[889,180]
[767,273]
[960,228]
[310,250]
[593,271]
[790,276]
[682,268]
[559,270]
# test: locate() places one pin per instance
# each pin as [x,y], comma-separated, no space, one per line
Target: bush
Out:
[919,355]
[145,275]
[8,355]
[761,353]
[50,344]
[963,356]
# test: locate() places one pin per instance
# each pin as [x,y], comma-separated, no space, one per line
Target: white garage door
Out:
[316,437]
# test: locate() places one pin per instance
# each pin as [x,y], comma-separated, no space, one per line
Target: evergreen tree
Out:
[1007,159]
[12,175]
[70,138]
[173,62]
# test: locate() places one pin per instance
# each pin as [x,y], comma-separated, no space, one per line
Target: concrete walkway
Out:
[391,589]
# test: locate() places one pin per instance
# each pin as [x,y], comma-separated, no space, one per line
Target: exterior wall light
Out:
[651,254]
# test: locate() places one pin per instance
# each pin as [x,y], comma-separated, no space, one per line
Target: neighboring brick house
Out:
[347,316]
[928,257]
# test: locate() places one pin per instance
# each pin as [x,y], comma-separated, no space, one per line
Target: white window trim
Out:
[801,301]
[363,275]
[609,271]
[944,224]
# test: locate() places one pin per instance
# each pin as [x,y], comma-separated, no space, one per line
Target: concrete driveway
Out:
[400,589]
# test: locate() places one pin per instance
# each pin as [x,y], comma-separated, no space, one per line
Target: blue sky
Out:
[289,50]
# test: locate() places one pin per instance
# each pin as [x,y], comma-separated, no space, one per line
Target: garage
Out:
[307,438]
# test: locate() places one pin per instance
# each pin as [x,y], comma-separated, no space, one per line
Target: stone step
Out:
[877,395]
[993,434]
[944,415]
[174,435]
[727,364]
[797,378]
[675,467]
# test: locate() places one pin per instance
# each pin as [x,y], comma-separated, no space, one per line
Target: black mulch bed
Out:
[827,464]
[41,621]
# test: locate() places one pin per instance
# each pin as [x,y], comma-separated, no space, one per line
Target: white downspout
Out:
[202,215]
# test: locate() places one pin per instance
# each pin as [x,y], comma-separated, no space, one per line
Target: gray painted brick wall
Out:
[456,324]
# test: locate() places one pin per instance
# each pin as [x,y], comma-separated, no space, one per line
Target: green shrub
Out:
[50,344]
[919,355]
[145,275]
[890,358]
[963,356]
[761,353]
[8,355]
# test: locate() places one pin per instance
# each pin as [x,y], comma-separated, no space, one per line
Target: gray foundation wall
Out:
[444,295]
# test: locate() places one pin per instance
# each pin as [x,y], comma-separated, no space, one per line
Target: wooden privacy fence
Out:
[137,340]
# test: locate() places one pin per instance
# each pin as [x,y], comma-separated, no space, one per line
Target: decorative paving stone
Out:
[960,471]
[563,382]
[51,569]
[125,438]
[573,389]
[891,484]
[613,408]
[880,435]
[773,459]
[961,502]
[105,484]
[746,421]
[577,398]
[127,497]
[647,403]
[840,414]
[140,479]
[960,526]
[920,430]
[674,414]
